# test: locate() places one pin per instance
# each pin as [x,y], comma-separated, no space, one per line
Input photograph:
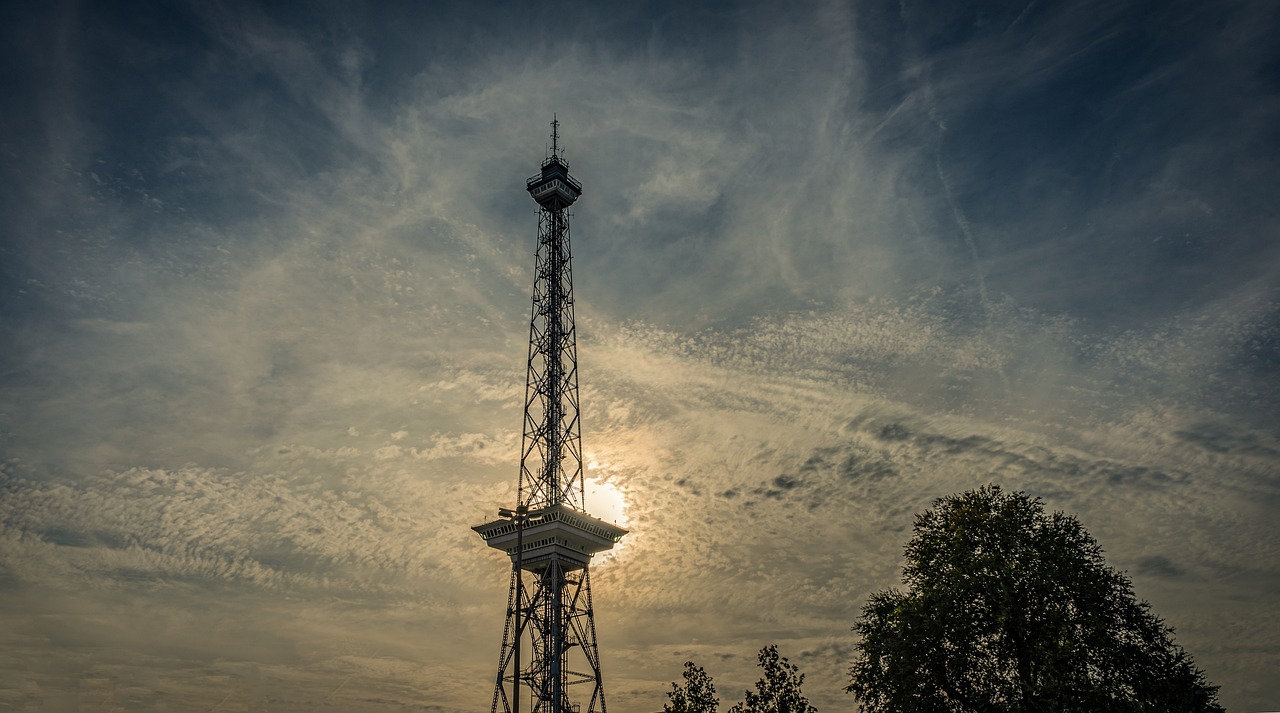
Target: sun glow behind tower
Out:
[549,661]
[606,501]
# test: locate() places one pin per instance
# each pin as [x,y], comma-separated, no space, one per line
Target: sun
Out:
[605,501]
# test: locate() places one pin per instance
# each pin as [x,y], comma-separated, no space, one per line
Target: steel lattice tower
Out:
[549,642]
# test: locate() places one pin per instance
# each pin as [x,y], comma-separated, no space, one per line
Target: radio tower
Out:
[549,661]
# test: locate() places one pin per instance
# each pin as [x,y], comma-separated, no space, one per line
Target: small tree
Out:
[697,696]
[778,691]
[1010,609]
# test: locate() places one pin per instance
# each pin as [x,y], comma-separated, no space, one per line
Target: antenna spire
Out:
[555,136]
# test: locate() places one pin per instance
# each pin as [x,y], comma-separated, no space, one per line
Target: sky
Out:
[266,273]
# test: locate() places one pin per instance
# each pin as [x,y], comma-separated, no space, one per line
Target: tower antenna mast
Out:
[549,536]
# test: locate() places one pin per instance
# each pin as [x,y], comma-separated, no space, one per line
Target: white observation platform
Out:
[554,533]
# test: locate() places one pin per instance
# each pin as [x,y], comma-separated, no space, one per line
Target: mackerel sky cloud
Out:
[266,272]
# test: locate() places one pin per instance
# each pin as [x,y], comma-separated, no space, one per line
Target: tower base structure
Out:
[550,624]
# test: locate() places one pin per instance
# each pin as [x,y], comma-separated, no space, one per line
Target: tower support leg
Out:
[557,627]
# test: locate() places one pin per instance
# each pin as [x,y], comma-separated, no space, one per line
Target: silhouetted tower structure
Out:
[549,661]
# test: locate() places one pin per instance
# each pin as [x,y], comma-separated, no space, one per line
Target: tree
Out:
[1008,608]
[697,696]
[778,691]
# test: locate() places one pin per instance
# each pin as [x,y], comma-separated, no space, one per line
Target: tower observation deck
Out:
[549,661]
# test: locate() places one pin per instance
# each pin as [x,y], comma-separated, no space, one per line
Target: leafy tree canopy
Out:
[698,695]
[778,690]
[1008,608]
